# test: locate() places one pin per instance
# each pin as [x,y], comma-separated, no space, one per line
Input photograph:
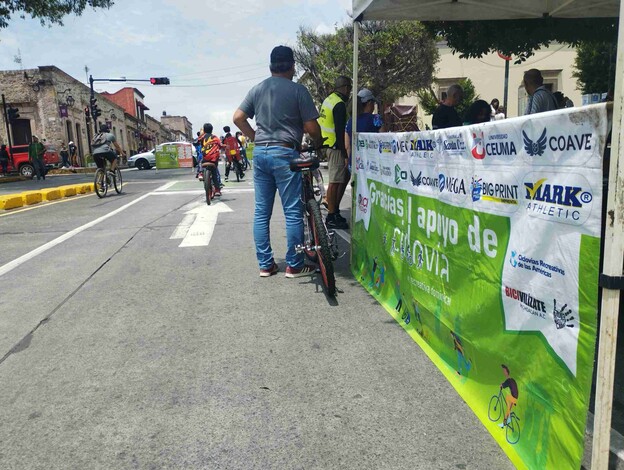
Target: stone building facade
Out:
[180,126]
[52,106]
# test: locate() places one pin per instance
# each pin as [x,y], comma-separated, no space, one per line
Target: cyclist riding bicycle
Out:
[105,147]
[232,153]
[210,149]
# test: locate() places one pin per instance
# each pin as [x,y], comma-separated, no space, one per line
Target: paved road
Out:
[122,349]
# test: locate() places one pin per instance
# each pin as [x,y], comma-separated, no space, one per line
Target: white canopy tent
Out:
[467,10]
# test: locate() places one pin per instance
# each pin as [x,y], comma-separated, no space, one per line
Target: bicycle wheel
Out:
[512,433]
[237,169]
[99,183]
[323,251]
[308,240]
[207,185]
[495,409]
[117,180]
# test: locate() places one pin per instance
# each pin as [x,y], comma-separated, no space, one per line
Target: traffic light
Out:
[87,114]
[13,114]
[159,81]
[95,111]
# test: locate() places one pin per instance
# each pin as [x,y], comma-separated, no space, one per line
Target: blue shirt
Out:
[366,122]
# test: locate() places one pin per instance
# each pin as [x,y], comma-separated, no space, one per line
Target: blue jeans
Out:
[271,173]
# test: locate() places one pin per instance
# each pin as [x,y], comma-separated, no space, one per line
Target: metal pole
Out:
[506,92]
[92,96]
[612,267]
[8,127]
[356,59]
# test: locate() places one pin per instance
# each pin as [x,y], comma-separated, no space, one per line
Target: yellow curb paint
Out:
[38,206]
[68,190]
[32,197]
[11,201]
[51,194]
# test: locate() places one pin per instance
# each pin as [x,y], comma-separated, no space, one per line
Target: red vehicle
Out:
[20,162]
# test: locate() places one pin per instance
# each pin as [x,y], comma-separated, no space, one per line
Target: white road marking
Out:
[200,232]
[183,227]
[11,265]
[344,235]
[51,244]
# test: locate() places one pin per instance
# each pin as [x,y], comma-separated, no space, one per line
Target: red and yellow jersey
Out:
[231,147]
[210,147]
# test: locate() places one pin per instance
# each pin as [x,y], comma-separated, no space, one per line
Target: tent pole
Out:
[613,261]
[356,61]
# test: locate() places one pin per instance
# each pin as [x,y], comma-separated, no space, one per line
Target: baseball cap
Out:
[365,95]
[282,54]
[341,81]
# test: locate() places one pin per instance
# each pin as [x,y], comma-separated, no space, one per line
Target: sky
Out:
[213,52]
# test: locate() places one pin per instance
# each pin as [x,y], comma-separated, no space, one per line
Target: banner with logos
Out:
[167,156]
[483,242]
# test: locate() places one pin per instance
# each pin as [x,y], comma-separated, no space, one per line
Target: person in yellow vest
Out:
[333,120]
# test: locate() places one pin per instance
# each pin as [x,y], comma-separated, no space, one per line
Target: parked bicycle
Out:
[105,178]
[320,245]
[512,423]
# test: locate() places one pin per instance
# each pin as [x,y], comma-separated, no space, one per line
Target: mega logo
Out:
[451,184]
[493,192]
[421,180]
[536,147]
[362,203]
[399,174]
[527,302]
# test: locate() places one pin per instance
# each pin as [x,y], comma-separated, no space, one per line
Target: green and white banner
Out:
[166,156]
[483,243]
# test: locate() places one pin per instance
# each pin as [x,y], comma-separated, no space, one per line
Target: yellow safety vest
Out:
[326,119]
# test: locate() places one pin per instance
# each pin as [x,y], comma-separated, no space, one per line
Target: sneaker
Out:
[217,193]
[300,272]
[271,271]
[201,177]
[332,222]
[338,216]
[324,203]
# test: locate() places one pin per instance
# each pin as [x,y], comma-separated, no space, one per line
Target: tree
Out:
[520,38]
[594,66]
[47,11]
[396,58]
[429,101]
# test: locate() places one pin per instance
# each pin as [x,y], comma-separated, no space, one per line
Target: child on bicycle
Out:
[232,153]
[210,150]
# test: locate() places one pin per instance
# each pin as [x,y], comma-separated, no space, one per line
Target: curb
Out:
[27,198]
[12,179]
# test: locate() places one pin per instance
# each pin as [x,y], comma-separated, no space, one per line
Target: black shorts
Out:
[101,157]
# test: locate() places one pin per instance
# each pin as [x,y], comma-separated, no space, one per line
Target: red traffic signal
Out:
[159,81]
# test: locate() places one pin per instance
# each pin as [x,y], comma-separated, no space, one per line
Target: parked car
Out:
[143,161]
[21,163]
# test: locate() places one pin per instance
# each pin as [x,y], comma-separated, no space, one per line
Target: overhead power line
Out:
[203,85]
[256,65]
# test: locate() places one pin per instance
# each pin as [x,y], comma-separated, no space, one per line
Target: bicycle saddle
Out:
[304,163]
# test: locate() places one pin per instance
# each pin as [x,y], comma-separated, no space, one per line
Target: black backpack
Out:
[99,140]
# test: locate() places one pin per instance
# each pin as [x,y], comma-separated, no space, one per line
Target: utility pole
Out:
[8,127]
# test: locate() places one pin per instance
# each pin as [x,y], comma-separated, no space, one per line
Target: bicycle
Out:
[238,169]
[495,410]
[104,178]
[320,245]
[210,187]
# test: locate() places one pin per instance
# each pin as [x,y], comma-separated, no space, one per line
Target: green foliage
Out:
[594,66]
[47,11]
[396,58]
[520,38]
[429,101]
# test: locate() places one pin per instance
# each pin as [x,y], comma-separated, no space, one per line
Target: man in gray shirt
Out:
[540,98]
[283,111]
